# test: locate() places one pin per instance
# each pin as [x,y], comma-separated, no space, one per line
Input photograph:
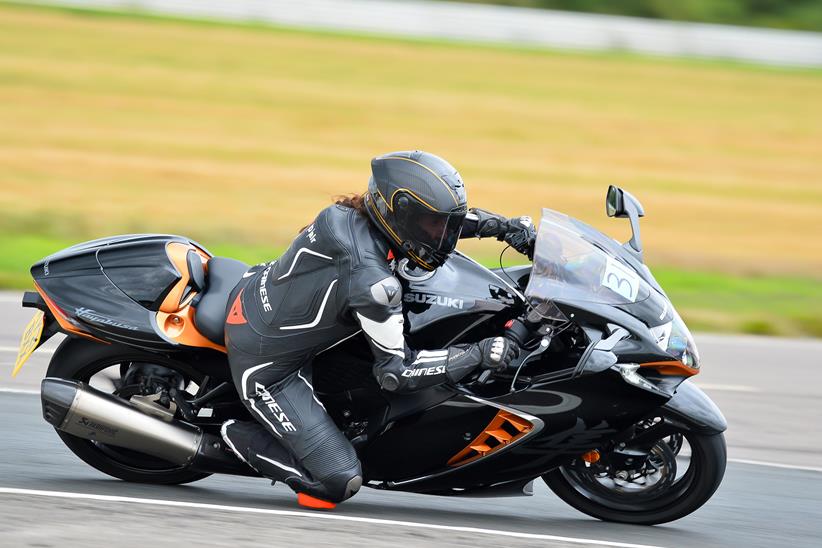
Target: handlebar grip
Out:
[517,332]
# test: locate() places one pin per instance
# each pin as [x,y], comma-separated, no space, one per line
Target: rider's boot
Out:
[255,446]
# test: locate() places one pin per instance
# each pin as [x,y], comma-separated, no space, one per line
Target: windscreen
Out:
[572,264]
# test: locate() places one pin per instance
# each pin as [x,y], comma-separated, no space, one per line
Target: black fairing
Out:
[421,443]
[639,348]
[112,287]
[574,417]
[695,409]
[140,269]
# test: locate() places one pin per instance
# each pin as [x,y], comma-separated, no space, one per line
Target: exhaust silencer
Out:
[78,409]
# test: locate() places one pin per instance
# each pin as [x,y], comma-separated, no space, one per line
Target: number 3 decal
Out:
[620,279]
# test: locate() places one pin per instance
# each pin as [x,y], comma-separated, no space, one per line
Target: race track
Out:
[769,390]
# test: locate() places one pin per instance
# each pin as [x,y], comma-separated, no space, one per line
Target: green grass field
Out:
[237,135]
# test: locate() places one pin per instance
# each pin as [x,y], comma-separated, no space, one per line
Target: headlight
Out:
[675,339]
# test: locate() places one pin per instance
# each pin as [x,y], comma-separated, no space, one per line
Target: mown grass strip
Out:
[708,301]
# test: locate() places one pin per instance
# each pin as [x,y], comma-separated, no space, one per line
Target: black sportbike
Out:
[598,405]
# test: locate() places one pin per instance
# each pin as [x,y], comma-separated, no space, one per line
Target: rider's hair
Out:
[354,201]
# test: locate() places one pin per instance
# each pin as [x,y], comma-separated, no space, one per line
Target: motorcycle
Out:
[598,404]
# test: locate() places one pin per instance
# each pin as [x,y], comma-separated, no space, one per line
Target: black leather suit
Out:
[333,281]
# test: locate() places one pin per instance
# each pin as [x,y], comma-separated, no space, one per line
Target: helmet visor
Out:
[431,233]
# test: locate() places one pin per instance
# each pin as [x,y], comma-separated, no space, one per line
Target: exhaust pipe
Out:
[78,409]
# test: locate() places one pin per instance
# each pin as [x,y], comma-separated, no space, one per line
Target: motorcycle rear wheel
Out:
[79,360]
[705,473]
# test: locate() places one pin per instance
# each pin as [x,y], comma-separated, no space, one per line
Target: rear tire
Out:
[708,458]
[78,359]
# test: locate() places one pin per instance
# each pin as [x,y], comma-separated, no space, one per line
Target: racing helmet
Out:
[417,200]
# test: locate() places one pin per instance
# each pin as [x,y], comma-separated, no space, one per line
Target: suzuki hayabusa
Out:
[598,405]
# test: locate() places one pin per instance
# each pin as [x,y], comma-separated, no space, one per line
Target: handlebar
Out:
[518,332]
[518,363]
[515,331]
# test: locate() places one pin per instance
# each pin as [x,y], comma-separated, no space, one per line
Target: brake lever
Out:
[544,343]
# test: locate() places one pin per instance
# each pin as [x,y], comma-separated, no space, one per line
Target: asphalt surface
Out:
[769,389]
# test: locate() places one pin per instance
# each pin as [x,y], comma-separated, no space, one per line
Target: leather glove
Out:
[520,234]
[497,353]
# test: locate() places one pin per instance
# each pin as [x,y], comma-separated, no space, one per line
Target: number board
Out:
[621,280]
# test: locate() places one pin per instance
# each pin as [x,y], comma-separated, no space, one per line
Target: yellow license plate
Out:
[29,340]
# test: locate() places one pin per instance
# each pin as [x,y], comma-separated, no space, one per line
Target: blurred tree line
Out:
[786,14]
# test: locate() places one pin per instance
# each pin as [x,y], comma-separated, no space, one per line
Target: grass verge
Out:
[766,305]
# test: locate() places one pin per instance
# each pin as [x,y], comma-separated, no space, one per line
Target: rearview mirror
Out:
[613,202]
[620,204]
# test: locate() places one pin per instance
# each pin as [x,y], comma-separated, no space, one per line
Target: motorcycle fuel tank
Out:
[443,305]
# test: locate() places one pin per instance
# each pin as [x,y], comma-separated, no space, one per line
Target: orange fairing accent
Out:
[175,318]
[673,367]
[179,326]
[178,254]
[503,429]
[62,319]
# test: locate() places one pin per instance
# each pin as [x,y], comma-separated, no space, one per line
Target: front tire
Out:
[687,494]
[79,360]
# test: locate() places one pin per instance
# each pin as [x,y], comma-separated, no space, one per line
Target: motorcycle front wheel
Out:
[679,475]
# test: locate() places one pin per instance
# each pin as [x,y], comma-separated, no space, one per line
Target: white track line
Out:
[19,390]
[728,387]
[315,515]
[16,349]
[776,465]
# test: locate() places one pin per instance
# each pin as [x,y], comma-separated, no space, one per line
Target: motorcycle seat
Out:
[210,311]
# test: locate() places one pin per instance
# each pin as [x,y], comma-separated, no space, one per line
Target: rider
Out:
[336,279]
